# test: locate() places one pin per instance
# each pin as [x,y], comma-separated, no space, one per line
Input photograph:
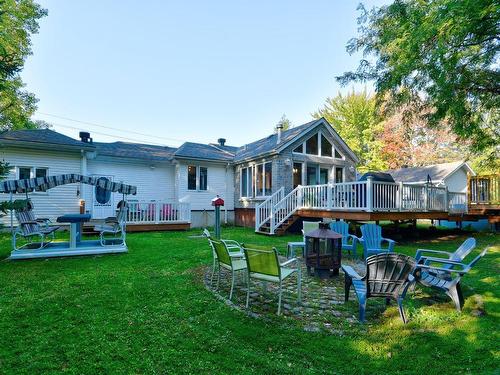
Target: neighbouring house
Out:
[453,175]
[178,179]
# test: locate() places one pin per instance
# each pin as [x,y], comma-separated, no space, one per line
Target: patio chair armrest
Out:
[349,271]
[464,269]
[29,222]
[289,261]
[388,240]
[353,237]
[419,253]
[442,260]
[43,220]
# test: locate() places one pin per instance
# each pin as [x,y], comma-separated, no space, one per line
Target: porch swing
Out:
[31,227]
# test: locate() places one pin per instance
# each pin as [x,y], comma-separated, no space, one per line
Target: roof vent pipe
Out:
[279,128]
[221,141]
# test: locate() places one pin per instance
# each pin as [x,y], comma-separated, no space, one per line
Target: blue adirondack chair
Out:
[349,241]
[428,275]
[372,240]
[425,256]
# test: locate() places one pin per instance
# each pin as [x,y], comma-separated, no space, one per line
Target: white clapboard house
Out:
[175,185]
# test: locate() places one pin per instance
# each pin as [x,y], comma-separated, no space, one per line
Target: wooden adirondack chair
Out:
[372,240]
[387,275]
[30,228]
[428,275]
[264,265]
[349,241]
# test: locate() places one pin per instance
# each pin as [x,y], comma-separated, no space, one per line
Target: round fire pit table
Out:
[323,252]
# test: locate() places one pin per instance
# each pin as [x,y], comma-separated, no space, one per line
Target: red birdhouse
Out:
[217,201]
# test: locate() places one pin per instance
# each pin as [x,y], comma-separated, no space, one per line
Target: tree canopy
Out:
[355,117]
[18,21]
[443,53]
[284,122]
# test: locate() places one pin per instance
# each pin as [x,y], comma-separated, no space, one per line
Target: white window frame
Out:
[319,135]
[249,190]
[32,175]
[335,173]
[262,192]
[197,177]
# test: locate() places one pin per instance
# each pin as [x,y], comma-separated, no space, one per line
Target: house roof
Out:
[41,137]
[437,172]
[191,150]
[269,144]
[135,151]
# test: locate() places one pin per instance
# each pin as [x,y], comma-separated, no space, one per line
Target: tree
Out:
[18,21]
[412,143]
[284,122]
[444,52]
[356,119]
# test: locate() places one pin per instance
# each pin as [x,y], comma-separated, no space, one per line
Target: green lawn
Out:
[147,312]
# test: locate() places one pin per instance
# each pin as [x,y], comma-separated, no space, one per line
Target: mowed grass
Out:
[148,312]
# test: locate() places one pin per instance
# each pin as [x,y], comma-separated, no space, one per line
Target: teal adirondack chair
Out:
[425,256]
[372,240]
[349,241]
[428,275]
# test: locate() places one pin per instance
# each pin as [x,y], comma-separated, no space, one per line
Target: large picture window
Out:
[263,179]
[191,177]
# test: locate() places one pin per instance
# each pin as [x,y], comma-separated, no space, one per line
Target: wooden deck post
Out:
[369,194]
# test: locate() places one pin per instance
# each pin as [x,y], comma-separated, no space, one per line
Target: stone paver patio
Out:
[322,307]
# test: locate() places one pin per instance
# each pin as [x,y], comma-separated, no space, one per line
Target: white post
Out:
[329,196]
[426,197]
[271,221]
[400,196]
[257,217]
[369,194]
[300,202]
[446,203]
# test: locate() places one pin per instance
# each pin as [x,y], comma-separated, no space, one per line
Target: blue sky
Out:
[188,70]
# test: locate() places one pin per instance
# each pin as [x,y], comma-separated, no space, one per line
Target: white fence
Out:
[369,196]
[158,212]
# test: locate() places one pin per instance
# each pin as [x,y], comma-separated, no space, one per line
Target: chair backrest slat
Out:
[372,235]
[263,262]
[464,250]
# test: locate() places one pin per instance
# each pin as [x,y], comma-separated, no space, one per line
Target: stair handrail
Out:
[263,210]
[286,207]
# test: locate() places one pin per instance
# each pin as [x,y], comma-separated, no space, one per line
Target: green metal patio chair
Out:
[227,262]
[234,248]
[387,275]
[264,265]
[439,277]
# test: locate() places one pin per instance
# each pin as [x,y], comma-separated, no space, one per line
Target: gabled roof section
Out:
[41,137]
[200,151]
[135,151]
[437,172]
[269,144]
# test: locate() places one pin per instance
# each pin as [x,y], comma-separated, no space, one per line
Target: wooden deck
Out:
[144,227]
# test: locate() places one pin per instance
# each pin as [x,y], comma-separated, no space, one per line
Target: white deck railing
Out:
[158,212]
[263,211]
[369,196]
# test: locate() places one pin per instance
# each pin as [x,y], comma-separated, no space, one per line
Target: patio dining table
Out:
[75,221]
